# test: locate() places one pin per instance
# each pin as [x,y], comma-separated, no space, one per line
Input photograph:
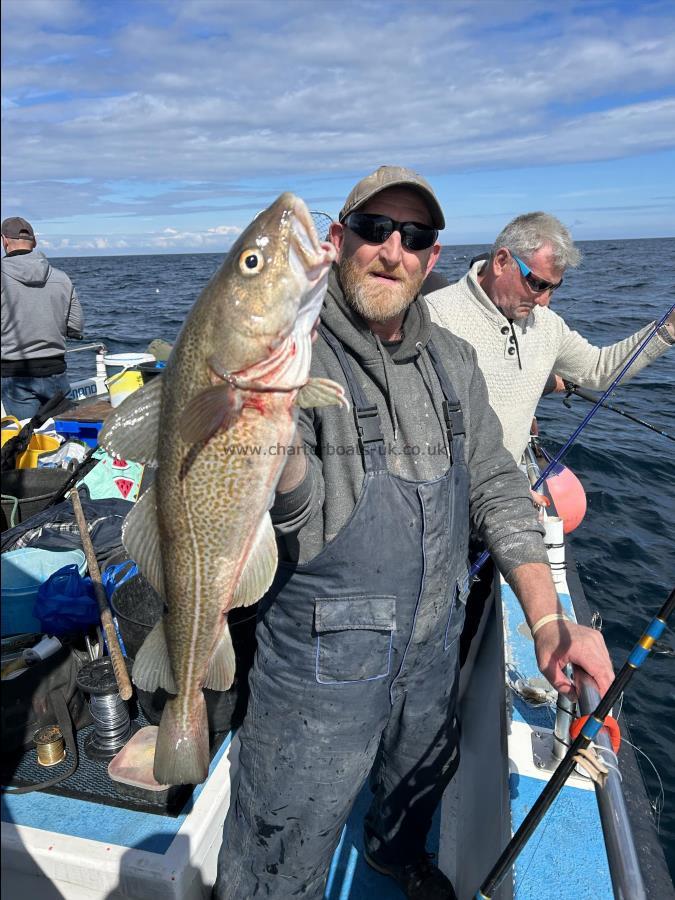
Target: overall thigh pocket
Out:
[457,609]
[354,638]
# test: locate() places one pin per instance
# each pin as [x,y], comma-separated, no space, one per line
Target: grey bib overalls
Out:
[356,670]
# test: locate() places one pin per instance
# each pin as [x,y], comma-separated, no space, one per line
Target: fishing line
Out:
[478,564]
[554,809]
[112,725]
[232,625]
[659,802]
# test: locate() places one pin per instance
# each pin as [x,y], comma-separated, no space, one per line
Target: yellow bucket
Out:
[123,378]
[10,428]
[39,443]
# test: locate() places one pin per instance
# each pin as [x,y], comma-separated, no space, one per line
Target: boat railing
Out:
[98,346]
[622,857]
[93,386]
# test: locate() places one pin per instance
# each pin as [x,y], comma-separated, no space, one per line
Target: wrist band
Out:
[553,617]
[664,333]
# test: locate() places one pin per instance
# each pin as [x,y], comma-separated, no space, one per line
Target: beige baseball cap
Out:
[393,176]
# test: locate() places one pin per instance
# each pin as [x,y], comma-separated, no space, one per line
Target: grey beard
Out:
[373,306]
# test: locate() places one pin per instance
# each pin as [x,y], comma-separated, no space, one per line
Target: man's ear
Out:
[500,261]
[336,235]
[433,258]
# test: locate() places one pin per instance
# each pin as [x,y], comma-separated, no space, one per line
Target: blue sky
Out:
[150,126]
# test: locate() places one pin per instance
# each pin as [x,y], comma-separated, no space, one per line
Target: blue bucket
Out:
[23,571]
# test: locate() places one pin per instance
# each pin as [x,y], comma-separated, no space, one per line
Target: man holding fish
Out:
[356,670]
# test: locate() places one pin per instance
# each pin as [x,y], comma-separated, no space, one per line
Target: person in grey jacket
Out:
[356,670]
[40,309]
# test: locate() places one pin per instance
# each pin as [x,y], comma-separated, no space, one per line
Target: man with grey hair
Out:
[40,309]
[501,307]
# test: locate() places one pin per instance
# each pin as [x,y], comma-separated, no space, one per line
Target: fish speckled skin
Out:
[216,426]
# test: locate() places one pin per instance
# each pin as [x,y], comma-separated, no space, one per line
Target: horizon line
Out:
[443,247]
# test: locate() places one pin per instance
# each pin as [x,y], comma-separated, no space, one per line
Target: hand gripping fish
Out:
[213,424]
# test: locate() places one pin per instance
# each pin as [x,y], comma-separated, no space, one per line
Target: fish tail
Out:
[182,751]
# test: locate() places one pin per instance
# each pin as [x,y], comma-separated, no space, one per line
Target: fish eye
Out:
[251,262]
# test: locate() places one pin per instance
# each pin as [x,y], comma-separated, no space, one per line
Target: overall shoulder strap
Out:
[371,441]
[452,408]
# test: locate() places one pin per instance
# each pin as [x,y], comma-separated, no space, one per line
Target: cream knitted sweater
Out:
[516,363]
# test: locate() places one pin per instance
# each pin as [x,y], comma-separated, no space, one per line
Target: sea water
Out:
[624,547]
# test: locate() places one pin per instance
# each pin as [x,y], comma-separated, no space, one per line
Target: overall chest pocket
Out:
[457,609]
[354,637]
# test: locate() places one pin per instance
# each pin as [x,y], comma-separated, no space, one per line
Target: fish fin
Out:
[217,367]
[321,392]
[132,430]
[220,674]
[152,666]
[258,572]
[211,410]
[140,536]
[182,749]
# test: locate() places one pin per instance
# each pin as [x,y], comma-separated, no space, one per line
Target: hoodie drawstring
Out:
[386,361]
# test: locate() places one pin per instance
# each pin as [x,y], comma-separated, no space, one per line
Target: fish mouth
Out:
[308,257]
[311,260]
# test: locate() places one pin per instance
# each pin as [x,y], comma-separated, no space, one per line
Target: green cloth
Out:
[117,478]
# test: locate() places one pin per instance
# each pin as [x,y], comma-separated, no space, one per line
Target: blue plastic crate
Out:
[83,431]
[23,571]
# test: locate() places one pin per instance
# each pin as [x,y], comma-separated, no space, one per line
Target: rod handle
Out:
[114,649]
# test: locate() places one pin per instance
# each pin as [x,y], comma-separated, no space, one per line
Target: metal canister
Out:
[51,748]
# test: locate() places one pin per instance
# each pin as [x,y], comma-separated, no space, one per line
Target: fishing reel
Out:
[569,390]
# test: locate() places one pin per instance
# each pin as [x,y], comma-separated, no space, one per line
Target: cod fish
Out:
[213,424]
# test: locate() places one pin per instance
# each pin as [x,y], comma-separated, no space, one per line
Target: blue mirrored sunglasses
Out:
[537,284]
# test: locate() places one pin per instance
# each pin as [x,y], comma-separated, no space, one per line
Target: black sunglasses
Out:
[377,229]
[538,285]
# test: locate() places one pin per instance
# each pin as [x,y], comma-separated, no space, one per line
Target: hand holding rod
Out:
[592,726]
[118,663]
[478,564]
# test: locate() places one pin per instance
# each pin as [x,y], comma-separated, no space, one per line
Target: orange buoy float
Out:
[568,495]
[609,723]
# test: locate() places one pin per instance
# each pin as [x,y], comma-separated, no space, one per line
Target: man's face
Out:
[510,292]
[381,280]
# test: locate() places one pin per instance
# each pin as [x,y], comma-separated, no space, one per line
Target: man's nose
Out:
[544,298]
[391,251]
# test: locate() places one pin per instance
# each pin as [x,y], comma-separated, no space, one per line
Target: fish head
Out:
[275,279]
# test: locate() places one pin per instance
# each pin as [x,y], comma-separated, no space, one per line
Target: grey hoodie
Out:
[39,309]
[408,395]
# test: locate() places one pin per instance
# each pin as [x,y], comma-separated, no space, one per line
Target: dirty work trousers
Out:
[356,673]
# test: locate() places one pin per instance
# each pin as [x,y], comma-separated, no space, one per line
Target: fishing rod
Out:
[591,398]
[592,726]
[478,564]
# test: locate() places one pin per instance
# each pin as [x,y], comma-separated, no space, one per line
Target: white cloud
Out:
[217,99]
[169,239]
